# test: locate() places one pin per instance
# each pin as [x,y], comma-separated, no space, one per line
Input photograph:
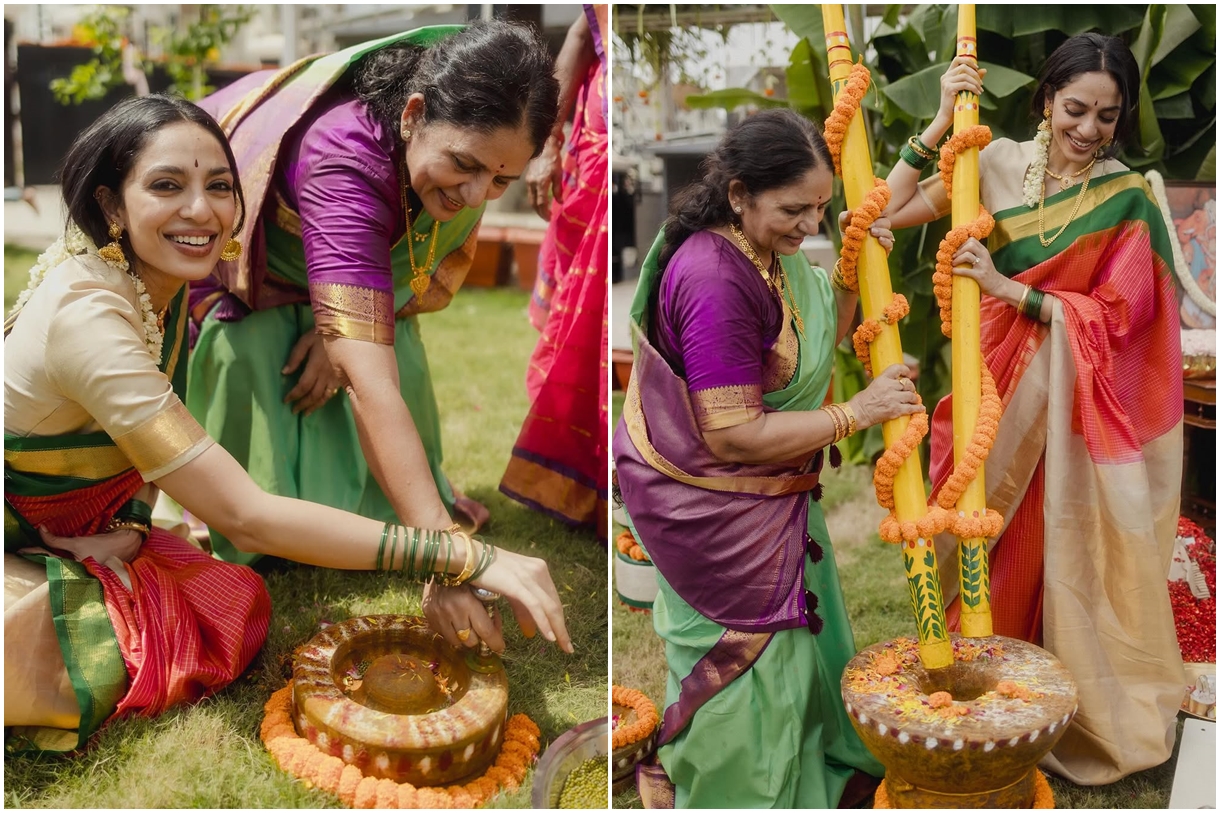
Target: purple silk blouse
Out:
[716,323]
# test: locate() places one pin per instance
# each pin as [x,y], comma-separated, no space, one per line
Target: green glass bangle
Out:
[393,549]
[912,158]
[136,510]
[486,556]
[408,559]
[921,149]
[1033,304]
[381,547]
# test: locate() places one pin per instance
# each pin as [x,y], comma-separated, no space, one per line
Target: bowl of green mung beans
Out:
[574,772]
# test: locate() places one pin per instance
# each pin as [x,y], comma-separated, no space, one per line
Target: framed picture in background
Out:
[1192,206]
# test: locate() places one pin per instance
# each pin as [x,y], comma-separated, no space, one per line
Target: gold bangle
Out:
[128,525]
[1024,296]
[836,277]
[467,566]
[839,419]
[851,418]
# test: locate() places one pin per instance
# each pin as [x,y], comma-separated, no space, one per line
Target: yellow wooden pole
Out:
[966,355]
[910,498]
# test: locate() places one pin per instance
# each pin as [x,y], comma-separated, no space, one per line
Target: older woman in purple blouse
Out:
[366,173]
[717,460]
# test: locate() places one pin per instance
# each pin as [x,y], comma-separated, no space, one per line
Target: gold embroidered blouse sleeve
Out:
[722,407]
[96,357]
[353,312]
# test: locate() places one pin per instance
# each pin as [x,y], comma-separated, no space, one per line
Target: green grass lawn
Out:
[209,754]
[879,607]
[17,262]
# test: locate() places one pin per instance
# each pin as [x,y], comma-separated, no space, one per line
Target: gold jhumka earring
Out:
[231,251]
[112,252]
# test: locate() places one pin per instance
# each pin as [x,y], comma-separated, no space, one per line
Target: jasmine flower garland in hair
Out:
[1037,168]
[74,243]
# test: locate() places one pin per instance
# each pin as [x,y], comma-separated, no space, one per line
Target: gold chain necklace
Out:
[1068,180]
[1075,209]
[419,274]
[775,283]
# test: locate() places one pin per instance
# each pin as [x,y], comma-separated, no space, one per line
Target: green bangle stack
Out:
[429,558]
[1033,304]
[916,153]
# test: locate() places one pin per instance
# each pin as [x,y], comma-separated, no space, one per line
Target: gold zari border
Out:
[161,439]
[1020,226]
[353,312]
[637,429]
[91,463]
[722,407]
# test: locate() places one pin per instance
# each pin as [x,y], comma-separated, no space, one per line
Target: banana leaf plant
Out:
[1174,45]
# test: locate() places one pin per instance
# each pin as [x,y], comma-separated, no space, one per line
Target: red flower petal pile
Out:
[1196,620]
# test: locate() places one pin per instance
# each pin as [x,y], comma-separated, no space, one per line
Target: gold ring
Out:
[330,393]
[463,635]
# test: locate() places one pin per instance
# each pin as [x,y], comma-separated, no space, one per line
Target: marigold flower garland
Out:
[991,409]
[1044,797]
[870,209]
[629,547]
[301,758]
[646,717]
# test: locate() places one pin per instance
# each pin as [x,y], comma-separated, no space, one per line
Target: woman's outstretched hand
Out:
[526,582]
[460,618]
[891,395]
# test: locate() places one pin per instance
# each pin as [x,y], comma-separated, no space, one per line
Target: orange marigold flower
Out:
[887,663]
[349,780]
[519,749]
[366,793]
[1044,797]
[977,136]
[523,721]
[461,798]
[386,797]
[326,775]
[406,796]
[501,777]
[431,798]
[940,700]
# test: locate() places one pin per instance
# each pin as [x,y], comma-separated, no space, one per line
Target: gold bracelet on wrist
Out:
[838,419]
[836,277]
[1024,296]
[851,418]
[128,525]
[467,567]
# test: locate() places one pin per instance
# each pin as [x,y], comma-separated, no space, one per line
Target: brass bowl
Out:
[387,694]
[984,758]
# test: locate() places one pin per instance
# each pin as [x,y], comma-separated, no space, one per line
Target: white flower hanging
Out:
[73,243]
[1036,175]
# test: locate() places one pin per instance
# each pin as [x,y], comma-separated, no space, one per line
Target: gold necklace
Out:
[1075,209]
[1068,180]
[775,283]
[419,274]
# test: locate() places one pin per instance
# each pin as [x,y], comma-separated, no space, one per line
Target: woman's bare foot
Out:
[470,514]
